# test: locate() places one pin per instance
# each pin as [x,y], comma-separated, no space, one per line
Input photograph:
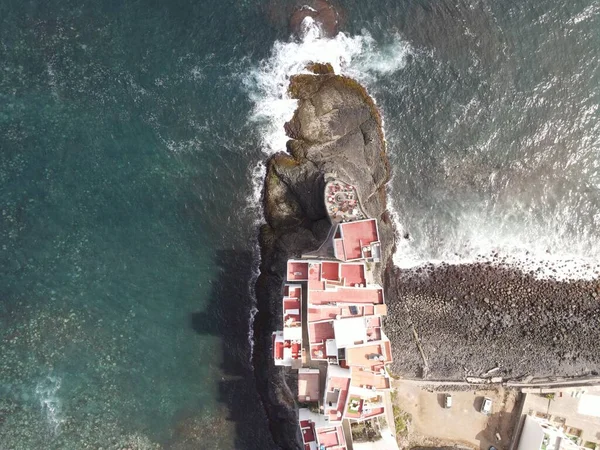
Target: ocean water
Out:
[133,137]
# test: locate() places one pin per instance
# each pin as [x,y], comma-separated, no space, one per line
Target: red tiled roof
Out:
[278,350]
[297,270]
[353,274]
[330,270]
[347,295]
[356,234]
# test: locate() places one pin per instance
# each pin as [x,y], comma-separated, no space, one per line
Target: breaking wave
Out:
[51,405]
[360,57]
[491,232]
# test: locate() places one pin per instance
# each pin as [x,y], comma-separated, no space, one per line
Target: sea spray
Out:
[360,57]
[47,394]
[267,85]
[544,251]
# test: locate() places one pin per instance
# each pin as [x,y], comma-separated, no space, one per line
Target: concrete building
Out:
[561,419]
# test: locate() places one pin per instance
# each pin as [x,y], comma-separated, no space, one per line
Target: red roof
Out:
[308,431]
[330,270]
[278,349]
[297,270]
[331,437]
[353,274]
[357,234]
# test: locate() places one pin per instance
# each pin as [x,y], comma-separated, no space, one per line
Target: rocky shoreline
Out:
[335,131]
[473,318]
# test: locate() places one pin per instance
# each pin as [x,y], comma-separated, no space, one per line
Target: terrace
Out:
[336,393]
[371,357]
[297,271]
[362,408]
[330,271]
[341,202]
[368,380]
[357,240]
[316,314]
[331,438]
[354,296]
[308,385]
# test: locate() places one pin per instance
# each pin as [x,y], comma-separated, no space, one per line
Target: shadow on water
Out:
[227,317]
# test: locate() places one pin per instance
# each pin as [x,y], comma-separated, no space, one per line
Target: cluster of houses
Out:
[332,334]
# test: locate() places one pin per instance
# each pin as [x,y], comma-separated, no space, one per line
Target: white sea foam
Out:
[358,56]
[368,61]
[586,14]
[267,86]
[51,405]
[254,210]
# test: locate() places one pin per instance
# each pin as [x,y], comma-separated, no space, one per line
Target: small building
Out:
[308,385]
[358,240]
[318,434]
[561,419]
[337,386]
[287,343]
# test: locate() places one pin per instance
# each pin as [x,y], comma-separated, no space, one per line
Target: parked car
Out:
[448,401]
[486,406]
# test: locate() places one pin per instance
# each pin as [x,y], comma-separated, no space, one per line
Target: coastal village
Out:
[332,329]
[332,338]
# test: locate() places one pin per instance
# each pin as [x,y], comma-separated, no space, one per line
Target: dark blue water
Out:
[131,142]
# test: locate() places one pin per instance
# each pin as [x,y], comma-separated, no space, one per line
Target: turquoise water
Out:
[124,178]
[131,142]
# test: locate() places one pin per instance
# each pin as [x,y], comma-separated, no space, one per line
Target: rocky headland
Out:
[335,131]
[446,322]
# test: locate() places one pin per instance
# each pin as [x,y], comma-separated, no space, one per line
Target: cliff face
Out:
[335,131]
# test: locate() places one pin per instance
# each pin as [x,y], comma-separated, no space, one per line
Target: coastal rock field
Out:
[473,318]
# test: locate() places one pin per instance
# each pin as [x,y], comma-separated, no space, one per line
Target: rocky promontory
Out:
[335,132]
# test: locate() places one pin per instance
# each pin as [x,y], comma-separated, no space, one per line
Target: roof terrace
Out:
[336,392]
[362,407]
[370,357]
[357,240]
[308,385]
[331,438]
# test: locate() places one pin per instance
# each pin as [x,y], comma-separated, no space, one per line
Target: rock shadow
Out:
[227,317]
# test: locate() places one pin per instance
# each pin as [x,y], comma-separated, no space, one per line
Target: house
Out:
[287,343]
[358,240]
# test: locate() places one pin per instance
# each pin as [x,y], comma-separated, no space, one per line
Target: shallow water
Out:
[132,141]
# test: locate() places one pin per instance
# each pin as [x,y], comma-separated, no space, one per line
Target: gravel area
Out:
[473,318]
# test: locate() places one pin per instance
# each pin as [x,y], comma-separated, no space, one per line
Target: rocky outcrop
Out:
[473,318]
[335,131]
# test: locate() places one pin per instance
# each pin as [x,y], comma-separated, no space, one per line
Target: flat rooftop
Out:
[316,314]
[308,385]
[353,296]
[297,271]
[341,384]
[331,438]
[362,356]
[355,235]
[367,379]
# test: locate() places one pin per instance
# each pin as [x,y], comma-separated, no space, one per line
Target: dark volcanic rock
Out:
[320,11]
[336,130]
[472,318]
